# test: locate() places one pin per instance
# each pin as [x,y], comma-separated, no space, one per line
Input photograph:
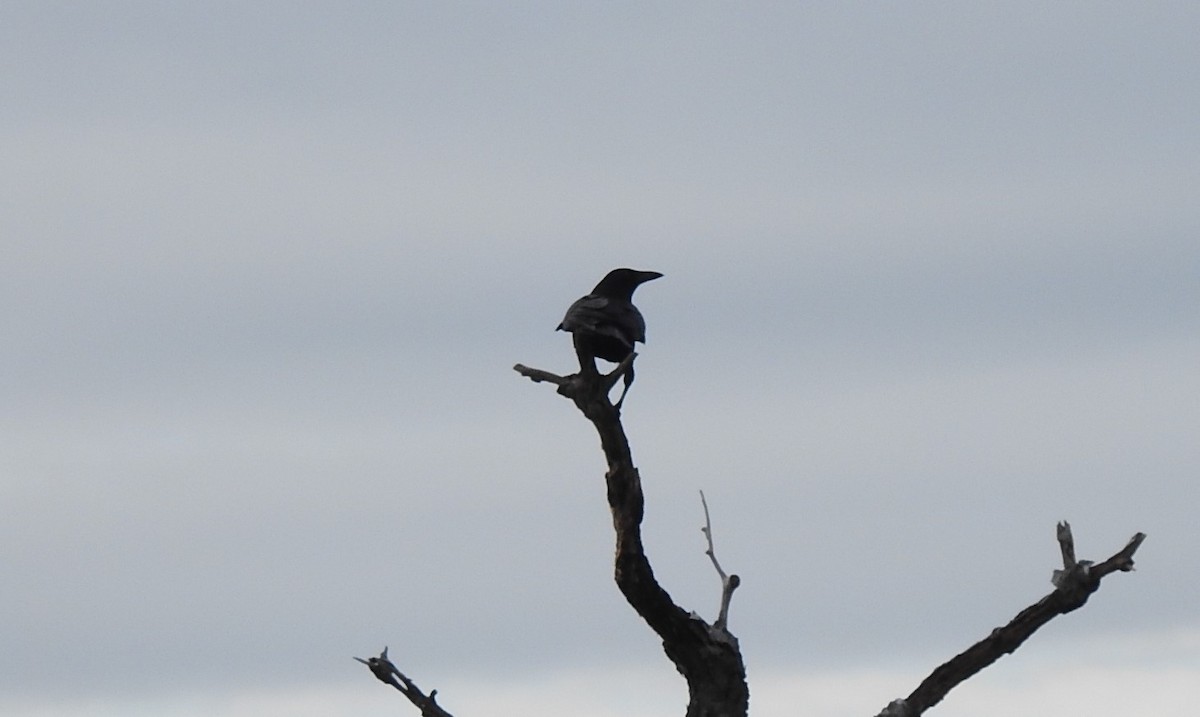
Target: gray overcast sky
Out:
[932,284]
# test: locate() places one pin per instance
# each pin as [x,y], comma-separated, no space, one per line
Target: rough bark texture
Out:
[707,656]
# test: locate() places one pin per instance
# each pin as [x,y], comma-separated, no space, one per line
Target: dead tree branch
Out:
[706,655]
[386,672]
[729,583]
[1073,585]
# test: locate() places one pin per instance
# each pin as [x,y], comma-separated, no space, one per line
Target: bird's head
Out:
[620,283]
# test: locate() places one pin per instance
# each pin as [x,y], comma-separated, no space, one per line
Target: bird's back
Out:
[605,327]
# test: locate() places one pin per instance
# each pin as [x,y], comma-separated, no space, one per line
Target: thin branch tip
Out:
[537,375]
[729,583]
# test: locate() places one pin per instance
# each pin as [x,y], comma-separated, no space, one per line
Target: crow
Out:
[605,324]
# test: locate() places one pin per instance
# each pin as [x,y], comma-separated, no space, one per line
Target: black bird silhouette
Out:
[605,323]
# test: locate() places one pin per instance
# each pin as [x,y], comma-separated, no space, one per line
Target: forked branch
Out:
[729,583]
[706,655]
[1073,585]
[386,672]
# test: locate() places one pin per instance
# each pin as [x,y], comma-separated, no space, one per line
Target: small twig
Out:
[1066,542]
[1074,571]
[707,530]
[386,672]
[729,583]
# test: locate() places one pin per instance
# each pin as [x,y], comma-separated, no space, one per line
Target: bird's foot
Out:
[587,386]
[625,370]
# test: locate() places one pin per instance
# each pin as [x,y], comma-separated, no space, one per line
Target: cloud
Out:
[929,289]
[1095,679]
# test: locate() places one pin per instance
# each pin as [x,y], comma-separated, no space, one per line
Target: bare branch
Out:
[708,656]
[709,659]
[729,583]
[386,672]
[1066,543]
[707,530]
[537,375]
[583,385]
[1072,586]
[1122,561]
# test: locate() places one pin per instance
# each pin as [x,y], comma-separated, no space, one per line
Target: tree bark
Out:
[707,656]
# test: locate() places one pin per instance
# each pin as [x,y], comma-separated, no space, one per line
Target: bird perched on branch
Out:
[605,324]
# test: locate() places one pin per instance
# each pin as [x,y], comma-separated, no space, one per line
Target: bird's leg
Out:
[628,383]
[587,362]
[589,376]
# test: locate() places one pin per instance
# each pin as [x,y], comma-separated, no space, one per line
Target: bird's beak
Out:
[644,276]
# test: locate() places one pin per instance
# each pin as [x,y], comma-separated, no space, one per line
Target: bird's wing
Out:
[634,324]
[587,313]
[606,317]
